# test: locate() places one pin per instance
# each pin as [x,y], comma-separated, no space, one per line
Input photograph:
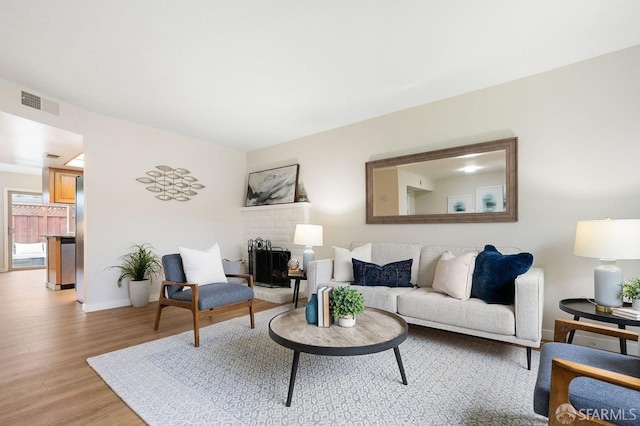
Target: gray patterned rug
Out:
[240,376]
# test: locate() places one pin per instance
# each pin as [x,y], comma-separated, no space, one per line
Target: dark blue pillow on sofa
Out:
[396,274]
[495,274]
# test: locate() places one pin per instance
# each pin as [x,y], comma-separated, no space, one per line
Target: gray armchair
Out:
[587,384]
[202,300]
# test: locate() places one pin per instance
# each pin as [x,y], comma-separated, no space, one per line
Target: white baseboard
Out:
[115,304]
[92,307]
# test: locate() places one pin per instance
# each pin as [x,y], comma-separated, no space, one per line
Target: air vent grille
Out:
[35,101]
[31,100]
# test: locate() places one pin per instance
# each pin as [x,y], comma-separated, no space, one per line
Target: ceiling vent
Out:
[36,102]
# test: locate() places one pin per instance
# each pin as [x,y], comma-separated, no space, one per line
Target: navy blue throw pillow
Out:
[495,274]
[396,274]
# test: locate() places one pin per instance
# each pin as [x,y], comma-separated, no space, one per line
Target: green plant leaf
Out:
[632,289]
[346,301]
[139,264]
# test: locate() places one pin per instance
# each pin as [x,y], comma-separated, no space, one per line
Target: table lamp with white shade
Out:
[308,236]
[608,240]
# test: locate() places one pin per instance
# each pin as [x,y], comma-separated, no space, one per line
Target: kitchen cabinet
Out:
[59,185]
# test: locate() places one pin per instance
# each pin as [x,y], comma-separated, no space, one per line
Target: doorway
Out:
[29,219]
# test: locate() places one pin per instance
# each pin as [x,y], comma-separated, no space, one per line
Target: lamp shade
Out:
[308,235]
[608,239]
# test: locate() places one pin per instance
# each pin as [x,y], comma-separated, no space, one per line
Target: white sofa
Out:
[519,323]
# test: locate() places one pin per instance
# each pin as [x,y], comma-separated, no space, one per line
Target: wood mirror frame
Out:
[510,213]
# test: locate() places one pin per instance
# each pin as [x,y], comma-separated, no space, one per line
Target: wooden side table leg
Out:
[396,350]
[292,380]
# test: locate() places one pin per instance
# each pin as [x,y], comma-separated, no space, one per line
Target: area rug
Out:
[239,376]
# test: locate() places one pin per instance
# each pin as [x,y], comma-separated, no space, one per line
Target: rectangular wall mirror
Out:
[466,184]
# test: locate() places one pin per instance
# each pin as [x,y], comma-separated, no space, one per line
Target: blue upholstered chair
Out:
[202,300]
[575,382]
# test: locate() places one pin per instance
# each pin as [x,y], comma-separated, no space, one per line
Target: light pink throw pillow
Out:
[454,274]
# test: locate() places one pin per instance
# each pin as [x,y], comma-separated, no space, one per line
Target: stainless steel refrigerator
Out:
[80,239]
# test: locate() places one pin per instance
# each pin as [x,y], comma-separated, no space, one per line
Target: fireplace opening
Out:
[268,264]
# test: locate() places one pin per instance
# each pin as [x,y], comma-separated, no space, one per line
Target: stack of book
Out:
[626,313]
[324,315]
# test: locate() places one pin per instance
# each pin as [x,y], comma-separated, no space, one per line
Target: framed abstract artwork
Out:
[490,199]
[458,203]
[273,186]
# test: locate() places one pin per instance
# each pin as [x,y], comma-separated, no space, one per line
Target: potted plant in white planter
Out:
[346,303]
[138,266]
[632,290]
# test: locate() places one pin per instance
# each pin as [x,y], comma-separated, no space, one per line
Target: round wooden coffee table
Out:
[375,331]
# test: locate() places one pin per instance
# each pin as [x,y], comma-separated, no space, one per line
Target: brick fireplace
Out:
[276,223]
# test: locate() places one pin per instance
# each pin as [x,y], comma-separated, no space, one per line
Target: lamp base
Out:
[604,309]
[307,256]
[607,286]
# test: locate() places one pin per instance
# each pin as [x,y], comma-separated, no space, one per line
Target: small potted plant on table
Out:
[632,290]
[346,303]
[138,266]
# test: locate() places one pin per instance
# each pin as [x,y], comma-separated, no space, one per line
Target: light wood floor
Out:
[45,341]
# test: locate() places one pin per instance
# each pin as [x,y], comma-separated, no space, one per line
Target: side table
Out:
[583,308]
[296,287]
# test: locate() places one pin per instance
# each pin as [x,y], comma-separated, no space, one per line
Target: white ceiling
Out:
[250,74]
[24,145]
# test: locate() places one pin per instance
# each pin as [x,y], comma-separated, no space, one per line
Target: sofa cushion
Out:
[395,274]
[474,314]
[203,267]
[495,274]
[216,295]
[342,266]
[454,274]
[385,298]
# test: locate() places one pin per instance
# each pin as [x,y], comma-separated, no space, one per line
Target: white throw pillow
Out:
[342,266]
[202,267]
[454,274]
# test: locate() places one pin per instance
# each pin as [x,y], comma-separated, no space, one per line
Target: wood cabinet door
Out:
[64,187]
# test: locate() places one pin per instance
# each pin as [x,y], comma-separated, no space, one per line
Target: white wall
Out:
[579,139]
[13,182]
[578,133]
[120,211]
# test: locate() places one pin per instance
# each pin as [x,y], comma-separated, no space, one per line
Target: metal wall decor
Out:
[171,184]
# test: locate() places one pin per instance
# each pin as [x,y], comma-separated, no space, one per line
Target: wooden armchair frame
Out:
[563,371]
[192,305]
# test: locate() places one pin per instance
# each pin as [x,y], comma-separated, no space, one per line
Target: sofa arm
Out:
[318,272]
[529,301]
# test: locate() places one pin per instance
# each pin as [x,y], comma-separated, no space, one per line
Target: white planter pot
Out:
[139,293]
[347,322]
[635,304]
